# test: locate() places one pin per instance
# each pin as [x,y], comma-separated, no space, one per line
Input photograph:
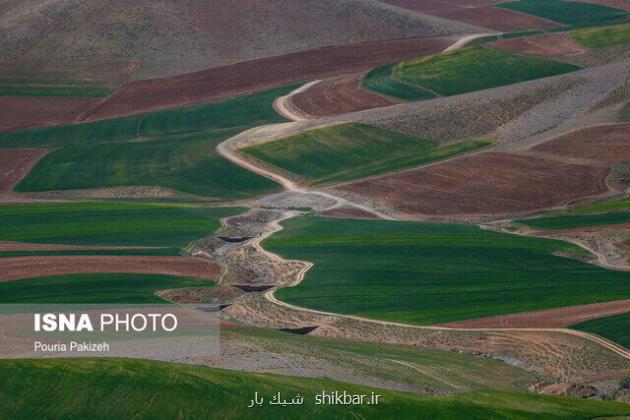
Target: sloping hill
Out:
[171,36]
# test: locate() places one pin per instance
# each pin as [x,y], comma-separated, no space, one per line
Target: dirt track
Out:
[257,75]
[18,268]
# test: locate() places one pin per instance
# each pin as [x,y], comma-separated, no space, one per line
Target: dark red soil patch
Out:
[28,267]
[348,213]
[550,318]
[544,45]
[338,96]
[497,19]
[619,4]
[605,144]
[257,75]
[15,164]
[20,112]
[26,246]
[485,183]
[421,5]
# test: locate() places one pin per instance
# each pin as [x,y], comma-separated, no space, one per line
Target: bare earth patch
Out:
[348,213]
[338,96]
[485,183]
[553,45]
[551,318]
[257,75]
[20,112]
[28,267]
[15,164]
[494,18]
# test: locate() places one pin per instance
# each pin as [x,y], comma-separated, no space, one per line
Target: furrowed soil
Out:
[551,318]
[20,112]
[15,164]
[485,183]
[551,45]
[338,96]
[497,19]
[28,267]
[222,82]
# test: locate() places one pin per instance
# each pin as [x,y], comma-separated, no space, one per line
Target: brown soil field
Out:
[619,4]
[26,246]
[338,96]
[28,267]
[432,5]
[497,19]
[15,164]
[348,213]
[484,183]
[606,144]
[257,75]
[19,112]
[545,45]
[551,318]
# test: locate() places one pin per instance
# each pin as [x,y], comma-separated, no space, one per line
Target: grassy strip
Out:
[94,288]
[567,12]
[605,36]
[576,221]
[475,68]
[125,388]
[351,151]
[79,88]
[610,206]
[381,81]
[614,328]
[426,273]
[173,148]
[115,224]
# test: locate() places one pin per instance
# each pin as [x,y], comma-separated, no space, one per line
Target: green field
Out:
[615,328]
[381,81]
[172,148]
[571,13]
[75,88]
[111,224]
[126,388]
[577,221]
[609,206]
[425,273]
[94,288]
[475,68]
[351,151]
[605,36]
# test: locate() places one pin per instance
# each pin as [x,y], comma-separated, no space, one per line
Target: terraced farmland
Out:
[86,388]
[602,36]
[350,151]
[475,68]
[567,12]
[614,328]
[431,273]
[94,288]
[173,149]
[115,224]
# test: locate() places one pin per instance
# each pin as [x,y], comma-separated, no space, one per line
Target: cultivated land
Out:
[20,112]
[550,45]
[497,19]
[475,68]
[571,13]
[71,88]
[173,149]
[116,224]
[430,273]
[614,328]
[486,183]
[577,221]
[155,389]
[95,288]
[604,36]
[338,96]
[237,79]
[351,151]
[382,81]
[15,164]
